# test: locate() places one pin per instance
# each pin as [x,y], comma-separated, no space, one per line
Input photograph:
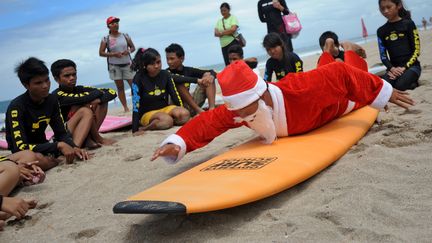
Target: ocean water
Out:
[302,52]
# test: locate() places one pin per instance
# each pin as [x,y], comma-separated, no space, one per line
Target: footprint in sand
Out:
[44,205]
[327,216]
[133,158]
[19,223]
[411,112]
[87,234]
[359,148]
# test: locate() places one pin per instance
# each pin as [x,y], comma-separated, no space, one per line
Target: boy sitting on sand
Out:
[83,108]
[29,114]
[175,57]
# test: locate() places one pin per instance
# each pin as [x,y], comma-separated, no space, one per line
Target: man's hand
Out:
[67,151]
[94,104]
[81,153]
[401,98]
[30,173]
[276,4]
[171,150]
[206,80]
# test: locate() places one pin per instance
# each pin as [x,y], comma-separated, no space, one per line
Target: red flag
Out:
[364,30]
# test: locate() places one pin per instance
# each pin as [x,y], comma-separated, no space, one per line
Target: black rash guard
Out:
[150,94]
[399,40]
[272,16]
[193,74]
[281,69]
[81,95]
[27,121]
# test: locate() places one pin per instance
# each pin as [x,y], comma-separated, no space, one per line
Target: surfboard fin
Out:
[149,207]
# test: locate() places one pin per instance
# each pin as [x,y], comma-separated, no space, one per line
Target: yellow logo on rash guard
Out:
[157,92]
[393,36]
[41,119]
[14,113]
[298,66]
[281,74]
[111,91]
[416,53]
[64,94]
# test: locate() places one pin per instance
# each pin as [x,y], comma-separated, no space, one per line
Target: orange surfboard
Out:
[252,171]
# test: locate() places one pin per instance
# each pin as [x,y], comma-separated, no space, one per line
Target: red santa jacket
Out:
[302,102]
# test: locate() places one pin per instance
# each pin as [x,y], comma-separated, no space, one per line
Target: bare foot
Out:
[4,216]
[107,141]
[2,224]
[31,202]
[330,47]
[90,144]
[349,46]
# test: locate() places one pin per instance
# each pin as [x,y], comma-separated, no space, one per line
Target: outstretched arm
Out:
[197,133]
[401,98]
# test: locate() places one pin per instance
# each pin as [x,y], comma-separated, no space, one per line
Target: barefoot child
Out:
[399,45]
[151,88]
[83,108]
[29,114]
[175,56]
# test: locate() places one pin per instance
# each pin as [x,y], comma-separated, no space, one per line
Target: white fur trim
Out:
[177,140]
[383,97]
[350,107]
[279,116]
[245,98]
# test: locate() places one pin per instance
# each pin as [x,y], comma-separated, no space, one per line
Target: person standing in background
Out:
[424,22]
[117,47]
[270,12]
[225,29]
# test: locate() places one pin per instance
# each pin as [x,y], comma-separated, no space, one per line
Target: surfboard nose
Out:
[149,207]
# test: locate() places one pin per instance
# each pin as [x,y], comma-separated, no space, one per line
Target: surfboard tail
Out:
[149,207]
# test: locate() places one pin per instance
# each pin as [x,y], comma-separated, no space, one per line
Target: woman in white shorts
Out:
[117,47]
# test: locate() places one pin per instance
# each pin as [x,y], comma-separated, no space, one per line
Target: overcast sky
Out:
[54,29]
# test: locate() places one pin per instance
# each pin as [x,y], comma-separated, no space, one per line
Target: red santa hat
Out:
[240,85]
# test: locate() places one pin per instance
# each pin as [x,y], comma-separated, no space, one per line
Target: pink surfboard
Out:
[4,145]
[112,123]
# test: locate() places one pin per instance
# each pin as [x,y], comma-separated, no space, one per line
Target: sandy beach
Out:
[380,191]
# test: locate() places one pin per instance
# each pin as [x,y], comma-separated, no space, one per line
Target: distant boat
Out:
[364,30]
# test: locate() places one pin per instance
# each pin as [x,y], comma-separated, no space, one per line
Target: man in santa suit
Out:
[298,103]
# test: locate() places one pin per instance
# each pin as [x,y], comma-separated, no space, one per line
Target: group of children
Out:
[161,98]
